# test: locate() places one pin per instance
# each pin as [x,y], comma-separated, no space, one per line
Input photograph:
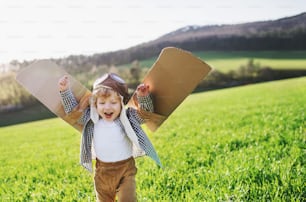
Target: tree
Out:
[135,72]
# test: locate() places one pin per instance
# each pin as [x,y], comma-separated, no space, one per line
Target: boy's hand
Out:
[63,83]
[142,90]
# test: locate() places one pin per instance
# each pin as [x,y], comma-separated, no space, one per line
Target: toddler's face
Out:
[109,107]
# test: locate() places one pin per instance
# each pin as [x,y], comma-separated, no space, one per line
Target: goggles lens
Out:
[105,76]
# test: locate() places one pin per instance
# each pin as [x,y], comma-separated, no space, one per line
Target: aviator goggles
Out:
[106,76]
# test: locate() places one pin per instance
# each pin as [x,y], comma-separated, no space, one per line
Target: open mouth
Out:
[108,115]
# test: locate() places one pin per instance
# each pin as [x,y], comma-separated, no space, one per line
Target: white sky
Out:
[36,29]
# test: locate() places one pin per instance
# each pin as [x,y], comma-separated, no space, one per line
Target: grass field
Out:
[240,144]
[226,60]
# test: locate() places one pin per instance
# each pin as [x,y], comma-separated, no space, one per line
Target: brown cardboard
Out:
[41,80]
[173,76]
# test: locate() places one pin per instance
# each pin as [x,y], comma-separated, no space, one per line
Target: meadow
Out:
[225,61]
[241,144]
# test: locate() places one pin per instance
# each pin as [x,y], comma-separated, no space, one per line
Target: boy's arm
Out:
[144,103]
[72,107]
[68,100]
[144,98]
[77,112]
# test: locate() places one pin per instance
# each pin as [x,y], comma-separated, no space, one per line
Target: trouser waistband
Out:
[117,163]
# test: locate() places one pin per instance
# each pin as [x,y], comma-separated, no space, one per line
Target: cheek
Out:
[118,107]
[99,107]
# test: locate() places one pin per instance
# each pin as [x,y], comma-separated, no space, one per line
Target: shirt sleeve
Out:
[146,103]
[70,103]
[68,100]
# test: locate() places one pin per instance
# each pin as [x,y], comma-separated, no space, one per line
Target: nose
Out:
[107,105]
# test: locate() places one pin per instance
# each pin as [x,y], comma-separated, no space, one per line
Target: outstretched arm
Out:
[143,98]
[63,83]
[68,100]
[144,103]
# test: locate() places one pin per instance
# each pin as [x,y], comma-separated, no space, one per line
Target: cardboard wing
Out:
[41,80]
[173,76]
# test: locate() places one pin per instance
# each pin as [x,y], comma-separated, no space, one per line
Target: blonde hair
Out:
[103,92]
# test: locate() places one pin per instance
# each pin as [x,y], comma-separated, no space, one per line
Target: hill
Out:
[283,34]
[284,27]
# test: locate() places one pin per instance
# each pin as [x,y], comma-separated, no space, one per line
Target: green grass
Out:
[226,61]
[240,144]
[231,60]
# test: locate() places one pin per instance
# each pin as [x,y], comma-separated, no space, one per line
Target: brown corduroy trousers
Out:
[115,178]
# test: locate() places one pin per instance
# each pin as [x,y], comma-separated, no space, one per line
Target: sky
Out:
[39,29]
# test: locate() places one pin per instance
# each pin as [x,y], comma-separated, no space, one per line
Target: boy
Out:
[114,132]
